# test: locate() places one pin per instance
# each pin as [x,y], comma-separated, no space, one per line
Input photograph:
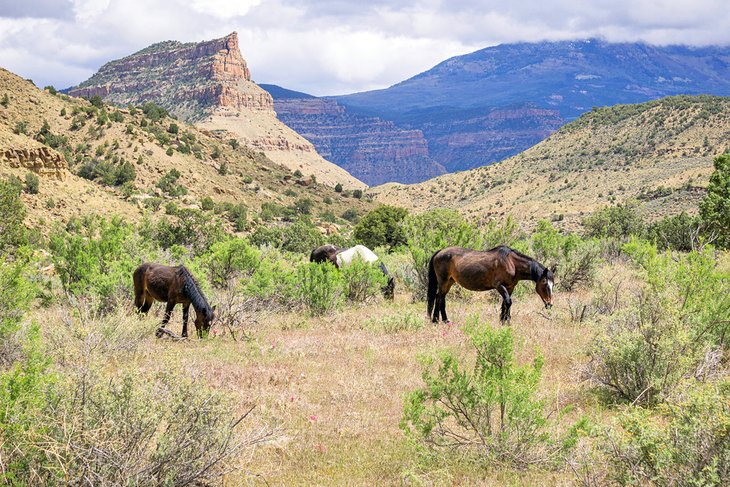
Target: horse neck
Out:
[193,292]
[527,268]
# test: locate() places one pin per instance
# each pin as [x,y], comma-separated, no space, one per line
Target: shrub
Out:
[189,228]
[229,260]
[32,183]
[363,280]
[154,112]
[357,193]
[320,287]
[96,258]
[21,128]
[715,206]
[173,128]
[96,101]
[238,215]
[5,101]
[680,232]
[382,227]
[233,143]
[620,221]
[577,259]
[300,237]
[124,173]
[168,183]
[338,188]
[684,442]
[303,206]
[273,282]
[486,405]
[350,215]
[12,230]
[396,323]
[16,293]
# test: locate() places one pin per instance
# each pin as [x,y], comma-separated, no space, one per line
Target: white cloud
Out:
[331,46]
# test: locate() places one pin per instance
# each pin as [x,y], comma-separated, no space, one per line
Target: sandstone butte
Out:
[209,84]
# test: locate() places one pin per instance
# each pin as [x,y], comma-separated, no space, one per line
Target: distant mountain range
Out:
[483,107]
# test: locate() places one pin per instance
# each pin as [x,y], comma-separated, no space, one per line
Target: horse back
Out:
[161,282]
[474,269]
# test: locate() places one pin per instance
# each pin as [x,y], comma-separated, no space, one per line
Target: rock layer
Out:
[41,160]
[373,150]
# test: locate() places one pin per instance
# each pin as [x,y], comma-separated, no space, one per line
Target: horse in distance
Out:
[172,285]
[500,268]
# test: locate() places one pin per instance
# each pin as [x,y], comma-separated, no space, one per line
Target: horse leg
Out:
[168,312]
[436,307]
[146,305]
[186,309]
[506,303]
[442,303]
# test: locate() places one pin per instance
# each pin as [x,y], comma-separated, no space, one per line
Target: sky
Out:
[329,47]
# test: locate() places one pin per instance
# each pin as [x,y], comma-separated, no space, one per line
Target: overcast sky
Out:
[327,47]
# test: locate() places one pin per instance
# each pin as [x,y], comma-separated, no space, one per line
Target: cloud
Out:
[331,46]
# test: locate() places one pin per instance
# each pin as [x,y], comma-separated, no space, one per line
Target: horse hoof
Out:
[159,333]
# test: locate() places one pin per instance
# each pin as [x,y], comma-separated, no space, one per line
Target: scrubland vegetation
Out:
[309,377]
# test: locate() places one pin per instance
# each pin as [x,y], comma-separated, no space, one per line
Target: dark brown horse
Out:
[499,268]
[171,285]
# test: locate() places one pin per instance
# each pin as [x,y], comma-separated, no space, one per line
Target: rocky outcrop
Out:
[190,80]
[373,150]
[209,84]
[41,160]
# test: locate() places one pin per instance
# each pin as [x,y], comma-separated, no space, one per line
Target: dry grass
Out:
[332,386]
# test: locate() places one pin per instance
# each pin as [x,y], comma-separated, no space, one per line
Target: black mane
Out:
[193,292]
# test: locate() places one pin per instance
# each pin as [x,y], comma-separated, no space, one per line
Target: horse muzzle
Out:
[548,305]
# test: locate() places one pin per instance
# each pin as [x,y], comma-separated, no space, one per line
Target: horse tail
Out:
[138,279]
[432,284]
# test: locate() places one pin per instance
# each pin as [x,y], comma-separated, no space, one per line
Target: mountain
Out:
[209,84]
[371,149]
[482,107]
[107,160]
[659,152]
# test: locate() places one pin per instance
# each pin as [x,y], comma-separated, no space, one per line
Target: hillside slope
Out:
[209,84]
[659,152]
[485,106]
[59,137]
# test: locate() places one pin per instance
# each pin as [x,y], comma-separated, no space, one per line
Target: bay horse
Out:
[343,257]
[172,285]
[499,268]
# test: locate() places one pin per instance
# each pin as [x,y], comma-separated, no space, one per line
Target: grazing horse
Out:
[171,285]
[343,257]
[499,268]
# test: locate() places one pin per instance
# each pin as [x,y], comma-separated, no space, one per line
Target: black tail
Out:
[432,285]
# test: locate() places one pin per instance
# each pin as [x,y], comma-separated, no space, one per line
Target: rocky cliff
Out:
[41,160]
[209,84]
[373,150]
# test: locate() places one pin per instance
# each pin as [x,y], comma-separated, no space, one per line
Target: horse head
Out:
[204,320]
[545,287]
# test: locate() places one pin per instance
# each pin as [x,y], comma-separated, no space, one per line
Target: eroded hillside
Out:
[659,152]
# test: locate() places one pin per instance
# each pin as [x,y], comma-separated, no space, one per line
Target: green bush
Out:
[715,206]
[396,323]
[620,222]
[643,351]
[382,227]
[96,258]
[230,260]
[684,442]
[576,258]
[273,282]
[299,237]
[363,280]
[187,227]
[16,293]
[32,183]
[12,230]
[320,287]
[168,183]
[680,232]
[486,406]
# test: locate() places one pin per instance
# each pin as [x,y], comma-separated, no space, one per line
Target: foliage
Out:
[680,232]
[577,259]
[338,188]
[320,287]
[395,323]
[684,442]
[363,280]
[381,227]
[96,101]
[230,259]
[188,228]
[487,407]
[715,206]
[12,209]
[5,101]
[32,183]
[154,112]
[168,183]
[96,257]
[300,237]
[16,294]
[620,221]
[670,332]
[303,206]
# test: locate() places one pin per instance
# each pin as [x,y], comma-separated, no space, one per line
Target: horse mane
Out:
[193,292]
[536,268]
